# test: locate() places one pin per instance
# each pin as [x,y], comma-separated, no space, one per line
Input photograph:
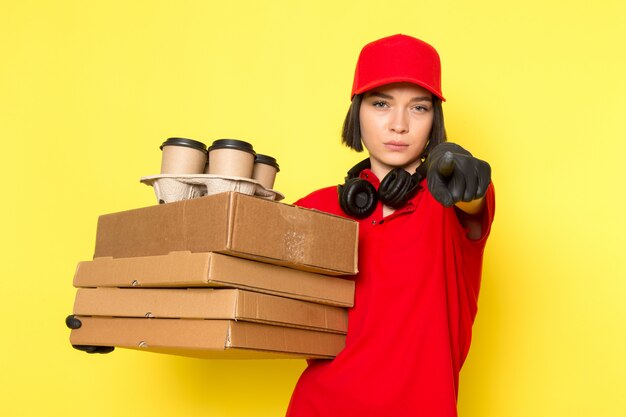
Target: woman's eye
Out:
[379,104]
[421,109]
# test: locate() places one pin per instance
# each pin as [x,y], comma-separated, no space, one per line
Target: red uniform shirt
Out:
[410,328]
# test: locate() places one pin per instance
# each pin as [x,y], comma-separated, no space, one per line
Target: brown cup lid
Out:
[190,143]
[267,160]
[232,144]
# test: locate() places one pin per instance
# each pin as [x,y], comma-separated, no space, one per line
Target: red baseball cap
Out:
[398,58]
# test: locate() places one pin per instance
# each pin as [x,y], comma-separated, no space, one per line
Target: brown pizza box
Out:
[186,269]
[217,339]
[202,303]
[236,224]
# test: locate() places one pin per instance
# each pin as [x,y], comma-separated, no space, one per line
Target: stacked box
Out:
[222,276]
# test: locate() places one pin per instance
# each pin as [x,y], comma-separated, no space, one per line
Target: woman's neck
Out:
[381,170]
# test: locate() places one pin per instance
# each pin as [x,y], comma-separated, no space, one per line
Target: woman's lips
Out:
[396,146]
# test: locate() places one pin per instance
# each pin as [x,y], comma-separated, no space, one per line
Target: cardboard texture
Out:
[185,269]
[219,339]
[209,304]
[235,224]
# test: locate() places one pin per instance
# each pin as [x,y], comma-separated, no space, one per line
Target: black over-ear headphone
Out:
[358,197]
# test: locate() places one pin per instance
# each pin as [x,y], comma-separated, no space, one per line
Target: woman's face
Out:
[396,120]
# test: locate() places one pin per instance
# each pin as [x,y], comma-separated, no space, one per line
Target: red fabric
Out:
[410,328]
[397,58]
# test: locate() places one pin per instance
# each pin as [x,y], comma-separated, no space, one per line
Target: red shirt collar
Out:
[370,177]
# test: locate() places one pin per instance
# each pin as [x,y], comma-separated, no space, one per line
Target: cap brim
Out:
[392,80]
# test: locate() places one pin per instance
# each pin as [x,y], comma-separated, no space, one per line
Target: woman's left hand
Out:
[454,175]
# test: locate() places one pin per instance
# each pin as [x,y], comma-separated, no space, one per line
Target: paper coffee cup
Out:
[183,156]
[231,157]
[265,170]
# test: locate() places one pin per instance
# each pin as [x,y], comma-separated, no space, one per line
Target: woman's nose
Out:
[399,121]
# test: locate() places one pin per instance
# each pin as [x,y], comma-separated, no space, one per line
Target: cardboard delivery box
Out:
[185,269]
[235,224]
[219,339]
[201,303]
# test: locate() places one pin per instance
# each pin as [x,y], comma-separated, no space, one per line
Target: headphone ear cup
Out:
[357,198]
[397,187]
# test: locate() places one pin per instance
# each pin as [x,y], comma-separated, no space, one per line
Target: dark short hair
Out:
[351,134]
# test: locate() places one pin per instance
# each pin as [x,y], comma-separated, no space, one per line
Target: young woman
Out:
[425,208]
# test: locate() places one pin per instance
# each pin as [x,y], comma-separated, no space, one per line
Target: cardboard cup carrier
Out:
[189,171]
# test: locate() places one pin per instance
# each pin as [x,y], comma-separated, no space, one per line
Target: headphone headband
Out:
[355,171]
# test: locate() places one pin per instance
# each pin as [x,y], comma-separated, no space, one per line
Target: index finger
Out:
[445,166]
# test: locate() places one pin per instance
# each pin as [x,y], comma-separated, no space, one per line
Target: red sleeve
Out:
[487,219]
[470,270]
[489,213]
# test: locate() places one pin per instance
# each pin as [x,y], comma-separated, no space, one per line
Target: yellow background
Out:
[89,90]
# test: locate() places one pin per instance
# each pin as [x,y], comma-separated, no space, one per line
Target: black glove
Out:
[73,322]
[455,175]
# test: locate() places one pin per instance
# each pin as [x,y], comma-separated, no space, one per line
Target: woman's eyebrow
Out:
[381,95]
[389,97]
